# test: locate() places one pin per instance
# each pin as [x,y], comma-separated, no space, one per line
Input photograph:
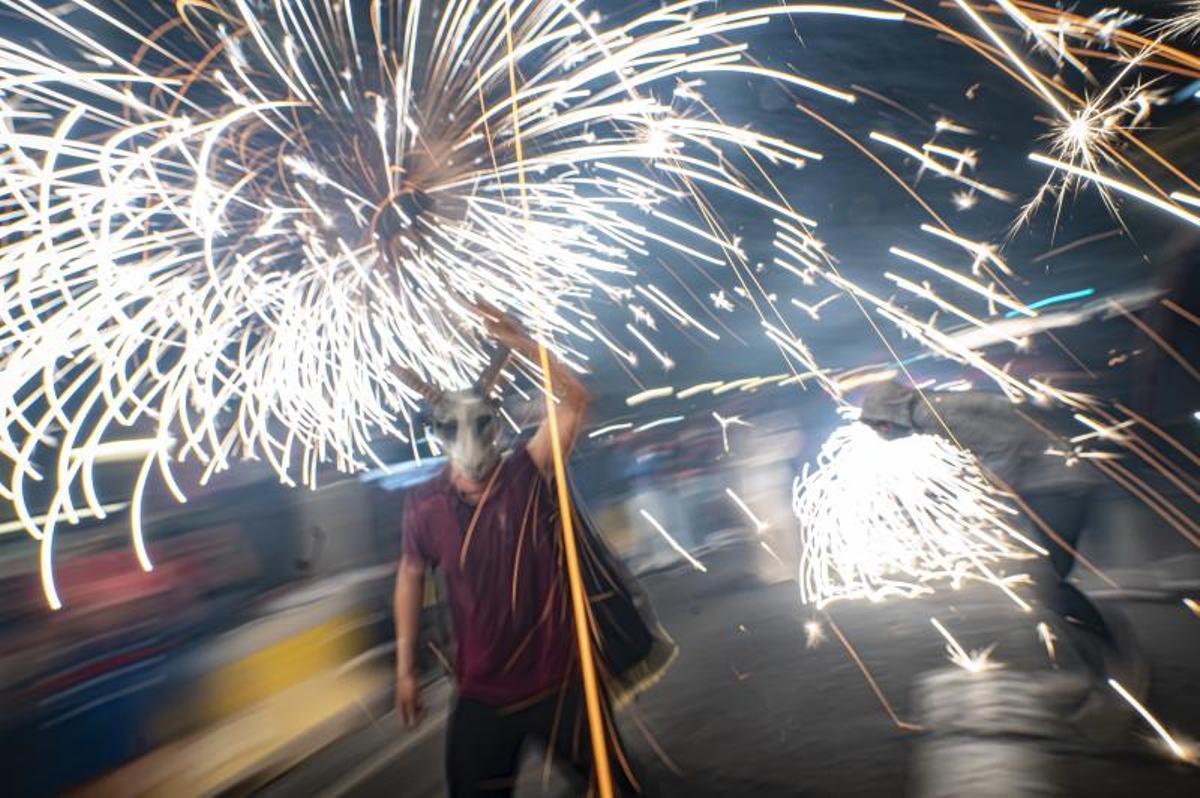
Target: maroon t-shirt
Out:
[508,603]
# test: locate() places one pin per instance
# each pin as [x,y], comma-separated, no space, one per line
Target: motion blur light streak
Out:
[1177,749]
[759,524]
[699,566]
[883,518]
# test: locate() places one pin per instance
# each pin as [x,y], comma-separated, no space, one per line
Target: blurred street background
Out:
[258,655]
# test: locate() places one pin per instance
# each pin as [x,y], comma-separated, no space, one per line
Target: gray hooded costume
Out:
[987,425]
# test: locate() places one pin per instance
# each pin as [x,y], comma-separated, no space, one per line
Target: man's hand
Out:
[574,399]
[410,584]
[501,326]
[408,700]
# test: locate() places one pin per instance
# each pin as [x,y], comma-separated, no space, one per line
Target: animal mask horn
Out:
[487,380]
[430,394]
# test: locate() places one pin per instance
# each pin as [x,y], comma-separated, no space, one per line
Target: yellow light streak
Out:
[702,387]
[648,395]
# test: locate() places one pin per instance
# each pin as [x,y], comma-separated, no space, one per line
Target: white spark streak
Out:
[661,422]
[725,423]
[760,526]
[1188,199]
[937,168]
[610,429]
[1177,749]
[699,566]
[767,548]
[1117,185]
[1184,24]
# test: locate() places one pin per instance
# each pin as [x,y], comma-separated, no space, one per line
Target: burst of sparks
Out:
[965,200]
[720,301]
[881,519]
[234,229]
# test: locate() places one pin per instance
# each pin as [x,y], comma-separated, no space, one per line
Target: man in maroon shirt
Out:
[489,523]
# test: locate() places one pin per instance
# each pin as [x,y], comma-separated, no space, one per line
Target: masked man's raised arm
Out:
[573,398]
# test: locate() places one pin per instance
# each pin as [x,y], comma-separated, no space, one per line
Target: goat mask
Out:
[467,425]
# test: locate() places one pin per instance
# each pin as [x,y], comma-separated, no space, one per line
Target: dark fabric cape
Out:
[632,648]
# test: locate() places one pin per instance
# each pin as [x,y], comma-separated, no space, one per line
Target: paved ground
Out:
[750,709]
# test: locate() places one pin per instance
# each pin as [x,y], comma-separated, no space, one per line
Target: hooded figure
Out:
[1011,447]
[1006,443]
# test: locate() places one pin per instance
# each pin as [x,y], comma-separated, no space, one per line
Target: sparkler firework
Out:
[240,228]
[246,230]
[882,519]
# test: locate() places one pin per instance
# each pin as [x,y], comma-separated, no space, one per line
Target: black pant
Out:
[484,742]
[1067,515]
